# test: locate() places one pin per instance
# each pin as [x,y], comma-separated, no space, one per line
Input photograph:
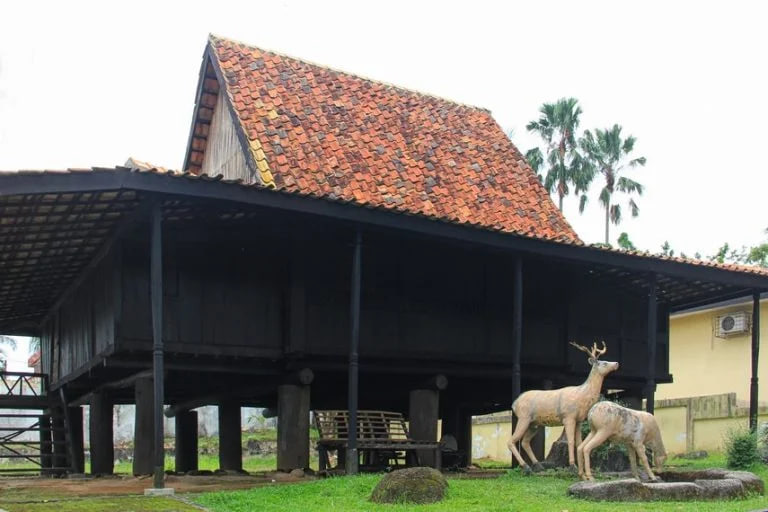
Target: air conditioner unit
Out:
[732,324]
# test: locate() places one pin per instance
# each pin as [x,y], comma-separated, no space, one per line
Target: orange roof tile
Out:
[320,132]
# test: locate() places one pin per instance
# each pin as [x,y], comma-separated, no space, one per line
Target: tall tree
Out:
[9,342]
[608,153]
[560,166]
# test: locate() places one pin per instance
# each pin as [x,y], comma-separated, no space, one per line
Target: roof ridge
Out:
[390,85]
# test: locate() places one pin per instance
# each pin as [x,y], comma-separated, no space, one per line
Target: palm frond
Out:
[634,208]
[615,213]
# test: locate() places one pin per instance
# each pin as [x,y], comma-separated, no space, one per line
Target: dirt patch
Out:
[42,488]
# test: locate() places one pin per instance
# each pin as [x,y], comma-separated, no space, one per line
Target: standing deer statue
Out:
[635,429]
[565,406]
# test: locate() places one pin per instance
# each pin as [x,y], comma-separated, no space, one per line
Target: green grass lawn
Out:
[105,504]
[510,492]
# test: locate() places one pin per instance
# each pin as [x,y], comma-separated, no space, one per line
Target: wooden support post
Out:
[143,441]
[59,440]
[230,449]
[76,438]
[156,300]
[292,427]
[186,441]
[101,435]
[422,421]
[46,448]
[755,359]
[354,318]
[517,326]
[458,423]
[650,376]
[464,438]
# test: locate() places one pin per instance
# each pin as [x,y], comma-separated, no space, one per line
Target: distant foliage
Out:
[762,433]
[625,243]
[741,449]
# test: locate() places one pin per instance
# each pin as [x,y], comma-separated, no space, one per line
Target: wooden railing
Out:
[23,384]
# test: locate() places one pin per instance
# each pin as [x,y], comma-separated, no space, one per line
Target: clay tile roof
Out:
[316,131]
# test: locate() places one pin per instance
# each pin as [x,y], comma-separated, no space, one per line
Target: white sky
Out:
[85,84]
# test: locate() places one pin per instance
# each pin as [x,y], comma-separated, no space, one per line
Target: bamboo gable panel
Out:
[223,152]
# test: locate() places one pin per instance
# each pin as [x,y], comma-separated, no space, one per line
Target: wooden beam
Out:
[354,342]
[650,383]
[753,395]
[517,326]
[156,304]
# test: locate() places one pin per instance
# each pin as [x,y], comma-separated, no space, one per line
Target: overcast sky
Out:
[84,84]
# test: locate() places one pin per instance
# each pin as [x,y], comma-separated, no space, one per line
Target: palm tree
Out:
[557,126]
[609,154]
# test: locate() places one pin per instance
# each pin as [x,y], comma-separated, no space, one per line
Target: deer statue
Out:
[635,429]
[565,406]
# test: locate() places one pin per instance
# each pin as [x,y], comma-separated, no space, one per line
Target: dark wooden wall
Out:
[284,292]
[269,296]
[84,325]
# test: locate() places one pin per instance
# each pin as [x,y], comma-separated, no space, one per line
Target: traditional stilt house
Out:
[332,243]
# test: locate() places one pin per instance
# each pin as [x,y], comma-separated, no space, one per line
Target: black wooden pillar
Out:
[143,442]
[46,448]
[156,287]
[755,359]
[292,427]
[422,420]
[650,376]
[59,442]
[101,435]
[517,326]
[186,441]
[230,436]
[76,439]
[354,342]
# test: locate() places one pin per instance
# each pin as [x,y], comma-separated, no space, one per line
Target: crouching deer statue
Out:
[565,406]
[635,429]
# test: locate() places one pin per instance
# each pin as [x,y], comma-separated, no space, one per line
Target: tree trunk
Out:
[607,220]
[560,195]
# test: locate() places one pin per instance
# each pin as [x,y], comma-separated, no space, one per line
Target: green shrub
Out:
[741,448]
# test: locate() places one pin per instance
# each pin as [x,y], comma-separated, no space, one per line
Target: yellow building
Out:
[704,361]
[710,358]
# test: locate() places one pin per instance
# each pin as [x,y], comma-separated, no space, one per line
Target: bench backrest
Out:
[334,425]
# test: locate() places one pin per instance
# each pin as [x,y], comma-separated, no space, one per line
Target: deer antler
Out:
[594,352]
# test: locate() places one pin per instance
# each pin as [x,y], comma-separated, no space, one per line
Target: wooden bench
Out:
[381,437]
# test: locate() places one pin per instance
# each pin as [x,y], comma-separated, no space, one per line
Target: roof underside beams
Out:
[52,226]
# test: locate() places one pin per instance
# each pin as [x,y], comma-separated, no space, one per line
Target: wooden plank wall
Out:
[84,326]
[218,298]
[223,151]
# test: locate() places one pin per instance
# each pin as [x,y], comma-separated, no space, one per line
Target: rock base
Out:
[709,484]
